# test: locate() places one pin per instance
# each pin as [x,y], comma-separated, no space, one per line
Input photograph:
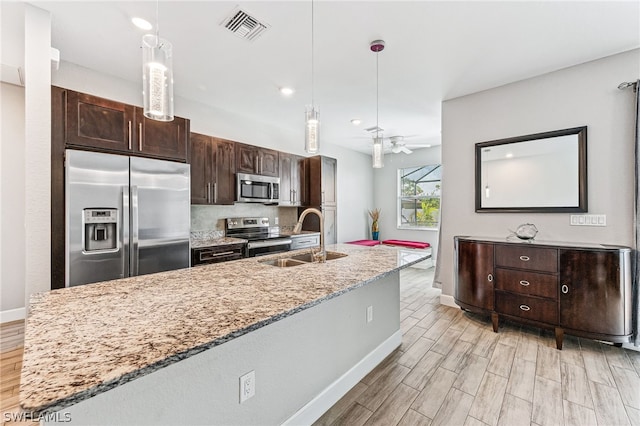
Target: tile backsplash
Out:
[211,218]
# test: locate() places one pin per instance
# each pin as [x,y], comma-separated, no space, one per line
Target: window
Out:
[419,190]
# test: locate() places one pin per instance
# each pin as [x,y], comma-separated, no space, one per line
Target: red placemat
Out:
[405,243]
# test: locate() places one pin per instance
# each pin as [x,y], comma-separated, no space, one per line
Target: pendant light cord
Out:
[312,58]
[158,21]
[377,104]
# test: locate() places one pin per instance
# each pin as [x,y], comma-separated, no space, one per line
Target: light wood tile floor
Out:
[452,369]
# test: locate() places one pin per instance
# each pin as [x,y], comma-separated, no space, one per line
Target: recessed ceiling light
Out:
[143,24]
[428,145]
[356,121]
[509,155]
[287,91]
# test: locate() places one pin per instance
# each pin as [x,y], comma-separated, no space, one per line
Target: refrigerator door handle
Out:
[135,258]
[124,232]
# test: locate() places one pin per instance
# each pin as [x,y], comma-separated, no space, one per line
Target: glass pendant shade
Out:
[157,78]
[312,130]
[378,154]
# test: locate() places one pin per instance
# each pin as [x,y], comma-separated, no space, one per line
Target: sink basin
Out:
[283,263]
[306,257]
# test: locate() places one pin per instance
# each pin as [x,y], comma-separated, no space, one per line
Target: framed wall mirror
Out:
[539,173]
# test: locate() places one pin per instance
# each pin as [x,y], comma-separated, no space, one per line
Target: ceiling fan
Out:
[398,145]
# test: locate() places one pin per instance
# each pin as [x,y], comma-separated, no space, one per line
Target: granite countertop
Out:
[220,241]
[85,340]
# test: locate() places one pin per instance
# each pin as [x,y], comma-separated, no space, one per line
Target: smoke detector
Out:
[243,25]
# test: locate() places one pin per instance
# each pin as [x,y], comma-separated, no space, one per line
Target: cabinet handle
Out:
[255,165]
[207,186]
[140,137]
[261,164]
[215,192]
[490,278]
[524,258]
[295,195]
[129,135]
[322,197]
[565,289]
[525,308]
[524,283]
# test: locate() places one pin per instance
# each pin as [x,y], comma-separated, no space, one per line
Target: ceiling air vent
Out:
[244,25]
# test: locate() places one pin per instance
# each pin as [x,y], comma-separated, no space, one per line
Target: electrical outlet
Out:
[247,386]
[369,314]
[276,220]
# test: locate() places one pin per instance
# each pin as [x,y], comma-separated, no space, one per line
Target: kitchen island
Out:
[170,348]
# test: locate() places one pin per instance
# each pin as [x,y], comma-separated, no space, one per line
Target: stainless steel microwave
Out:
[257,189]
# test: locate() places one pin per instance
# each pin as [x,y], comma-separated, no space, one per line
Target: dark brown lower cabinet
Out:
[475,275]
[583,290]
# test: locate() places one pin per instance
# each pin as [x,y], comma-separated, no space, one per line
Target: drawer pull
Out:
[525,308]
[524,283]
[206,255]
[565,288]
[489,277]
[524,258]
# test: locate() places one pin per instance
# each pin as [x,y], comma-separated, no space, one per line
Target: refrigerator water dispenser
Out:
[100,230]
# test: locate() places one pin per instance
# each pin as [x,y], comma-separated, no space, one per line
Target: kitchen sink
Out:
[306,257]
[300,259]
[283,263]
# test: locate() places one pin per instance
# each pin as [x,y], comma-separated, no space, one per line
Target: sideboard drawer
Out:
[528,283]
[526,257]
[532,308]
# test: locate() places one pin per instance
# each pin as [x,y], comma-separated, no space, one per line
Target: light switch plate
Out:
[588,220]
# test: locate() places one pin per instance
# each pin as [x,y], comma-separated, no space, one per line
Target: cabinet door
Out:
[164,139]
[99,123]
[474,285]
[330,220]
[287,167]
[246,159]
[224,175]
[592,296]
[201,163]
[268,163]
[299,182]
[329,170]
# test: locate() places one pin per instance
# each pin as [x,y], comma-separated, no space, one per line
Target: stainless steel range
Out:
[262,238]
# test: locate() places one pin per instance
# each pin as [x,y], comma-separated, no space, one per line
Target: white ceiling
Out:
[434,51]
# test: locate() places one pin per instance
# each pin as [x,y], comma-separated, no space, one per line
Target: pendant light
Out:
[312,114]
[157,75]
[377,155]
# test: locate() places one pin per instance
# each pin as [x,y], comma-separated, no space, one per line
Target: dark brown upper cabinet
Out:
[292,180]
[98,123]
[102,124]
[256,160]
[212,170]
[164,139]
[322,181]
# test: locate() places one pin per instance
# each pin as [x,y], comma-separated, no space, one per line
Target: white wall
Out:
[12,196]
[583,95]
[386,195]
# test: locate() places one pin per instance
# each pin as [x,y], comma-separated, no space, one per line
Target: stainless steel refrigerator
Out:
[125,216]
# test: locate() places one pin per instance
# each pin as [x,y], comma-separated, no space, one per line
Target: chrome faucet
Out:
[322,256]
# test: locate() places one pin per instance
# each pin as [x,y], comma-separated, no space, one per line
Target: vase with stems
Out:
[375,231]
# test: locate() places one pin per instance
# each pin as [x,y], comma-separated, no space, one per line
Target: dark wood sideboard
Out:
[579,289]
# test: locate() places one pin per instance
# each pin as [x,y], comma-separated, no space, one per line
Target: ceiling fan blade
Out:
[405,150]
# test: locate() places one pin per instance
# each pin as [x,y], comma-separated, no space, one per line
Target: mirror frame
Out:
[582,173]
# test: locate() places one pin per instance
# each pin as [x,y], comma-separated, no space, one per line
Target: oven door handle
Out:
[268,243]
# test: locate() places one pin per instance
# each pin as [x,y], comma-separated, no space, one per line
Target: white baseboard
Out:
[12,315]
[447,300]
[327,398]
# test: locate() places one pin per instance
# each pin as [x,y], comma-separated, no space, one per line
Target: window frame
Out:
[400,197]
